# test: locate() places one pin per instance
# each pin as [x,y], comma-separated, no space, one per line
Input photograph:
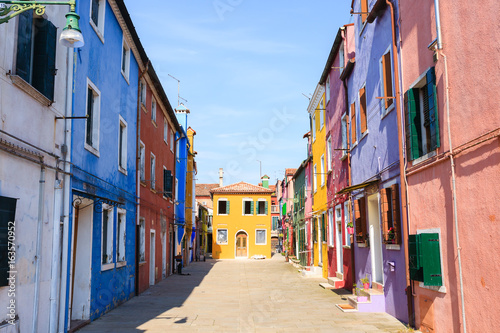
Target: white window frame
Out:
[344,135]
[265,237]
[165,130]
[315,179]
[153,109]
[382,83]
[331,229]
[313,126]
[227,236]
[125,60]
[341,58]
[109,237]
[322,170]
[171,139]
[142,97]
[99,27]
[142,162]
[222,199]
[142,240]
[321,114]
[257,207]
[121,234]
[244,201]
[327,89]
[347,217]
[96,116]
[329,154]
[152,170]
[122,145]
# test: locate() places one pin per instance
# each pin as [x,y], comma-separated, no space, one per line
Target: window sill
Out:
[121,264]
[30,90]
[125,76]
[386,111]
[97,31]
[153,190]
[362,244]
[141,263]
[439,289]
[364,135]
[354,145]
[92,150]
[107,267]
[122,170]
[343,157]
[423,158]
[154,123]
[393,247]
[143,184]
[143,107]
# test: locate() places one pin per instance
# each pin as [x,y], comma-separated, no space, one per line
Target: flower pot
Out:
[350,230]
[366,286]
[362,298]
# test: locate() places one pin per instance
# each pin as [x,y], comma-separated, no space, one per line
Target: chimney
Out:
[221,177]
[265,181]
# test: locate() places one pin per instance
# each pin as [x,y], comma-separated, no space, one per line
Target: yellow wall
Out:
[235,221]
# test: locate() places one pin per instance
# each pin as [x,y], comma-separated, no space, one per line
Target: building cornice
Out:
[316,98]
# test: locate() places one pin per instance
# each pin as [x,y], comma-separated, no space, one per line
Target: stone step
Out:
[375,301]
[336,282]
[326,285]
[346,307]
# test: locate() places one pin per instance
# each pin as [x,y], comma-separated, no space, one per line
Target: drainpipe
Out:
[41,202]
[438,25]
[402,171]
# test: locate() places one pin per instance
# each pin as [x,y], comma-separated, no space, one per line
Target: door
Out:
[338,239]
[241,245]
[375,239]
[152,258]
[164,253]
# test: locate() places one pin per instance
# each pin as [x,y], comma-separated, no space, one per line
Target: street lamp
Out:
[71,35]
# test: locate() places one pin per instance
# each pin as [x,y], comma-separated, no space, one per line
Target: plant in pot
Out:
[357,292]
[366,282]
[350,228]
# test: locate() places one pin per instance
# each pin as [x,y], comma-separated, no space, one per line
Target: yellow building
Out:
[190,200]
[316,111]
[241,221]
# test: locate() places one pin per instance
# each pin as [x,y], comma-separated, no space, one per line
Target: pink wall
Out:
[471,45]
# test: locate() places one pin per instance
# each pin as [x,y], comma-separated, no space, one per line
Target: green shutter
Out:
[433,109]
[283,209]
[266,208]
[413,131]
[227,207]
[251,208]
[23,56]
[414,254]
[431,260]
[44,57]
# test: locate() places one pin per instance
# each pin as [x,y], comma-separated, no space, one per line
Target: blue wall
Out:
[180,175]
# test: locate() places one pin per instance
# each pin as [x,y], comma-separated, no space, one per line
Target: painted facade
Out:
[316,111]
[33,187]
[191,231]
[156,169]
[453,182]
[241,222]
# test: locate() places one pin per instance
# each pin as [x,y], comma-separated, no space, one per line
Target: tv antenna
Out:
[178,90]
[308,97]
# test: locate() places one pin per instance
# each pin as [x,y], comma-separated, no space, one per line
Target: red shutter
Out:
[362,109]
[396,219]
[362,210]
[353,123]
[386,213]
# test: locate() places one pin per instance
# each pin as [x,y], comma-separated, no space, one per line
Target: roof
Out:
[241,187]
[203,190]
[290,171]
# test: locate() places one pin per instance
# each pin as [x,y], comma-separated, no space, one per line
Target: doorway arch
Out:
[241,244]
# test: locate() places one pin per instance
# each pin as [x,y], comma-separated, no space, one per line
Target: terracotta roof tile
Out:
[241,187]
[290,171]
[203,190]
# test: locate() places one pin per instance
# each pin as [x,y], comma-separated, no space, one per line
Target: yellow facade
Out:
[319,188]
[254,228]
[190,195]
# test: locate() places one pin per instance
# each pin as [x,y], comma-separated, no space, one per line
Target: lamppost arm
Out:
[18,7]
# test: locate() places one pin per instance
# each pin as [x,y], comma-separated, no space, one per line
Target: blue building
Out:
[100,246]
[375,163]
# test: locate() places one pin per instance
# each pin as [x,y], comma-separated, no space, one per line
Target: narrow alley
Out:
[242,295]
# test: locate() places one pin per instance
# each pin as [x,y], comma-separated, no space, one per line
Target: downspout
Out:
[41,202]
[438,25]
[63,274]
[402,170]
[56,255]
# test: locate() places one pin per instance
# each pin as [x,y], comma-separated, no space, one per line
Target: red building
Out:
[156,169]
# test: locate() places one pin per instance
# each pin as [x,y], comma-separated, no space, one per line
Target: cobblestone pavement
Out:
[240,296]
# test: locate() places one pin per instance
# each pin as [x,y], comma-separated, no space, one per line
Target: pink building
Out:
[452,121]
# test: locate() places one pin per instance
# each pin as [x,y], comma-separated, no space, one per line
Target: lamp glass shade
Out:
[71,38]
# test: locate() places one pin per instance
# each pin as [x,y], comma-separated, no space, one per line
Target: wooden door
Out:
[241,245]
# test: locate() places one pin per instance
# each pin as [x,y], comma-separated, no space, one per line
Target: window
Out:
[153,110]
[7,228]
[36,53]
[122,148]
[171,139]
[275,222]
[421,114]
[125,59]
[167,183]
[360,220]
[165,130]
[107,234]
[331,229]
[176,188]
[329,153]
[389,201]
[313,126]
[323,228]
[315,230]
[93,116]
[341,58]
[97,8]
[262,207]
[153,171]
[221,236]
[347,219]
[260,237]
[247,207]
[344,135]
[223,207]
[386,69]
[142,240]
[364,10]
[142,97]
[353,124]
[121,235]
[322,170]
[142,161]
[327,89]
[315,177]
[362,110]
[321,113]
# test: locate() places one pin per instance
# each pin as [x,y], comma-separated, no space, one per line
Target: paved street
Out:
[240,296]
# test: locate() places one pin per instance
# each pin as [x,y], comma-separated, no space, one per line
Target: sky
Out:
[244,67]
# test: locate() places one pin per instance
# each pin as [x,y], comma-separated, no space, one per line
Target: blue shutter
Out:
[44,57]
[433,109]
[23,57]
